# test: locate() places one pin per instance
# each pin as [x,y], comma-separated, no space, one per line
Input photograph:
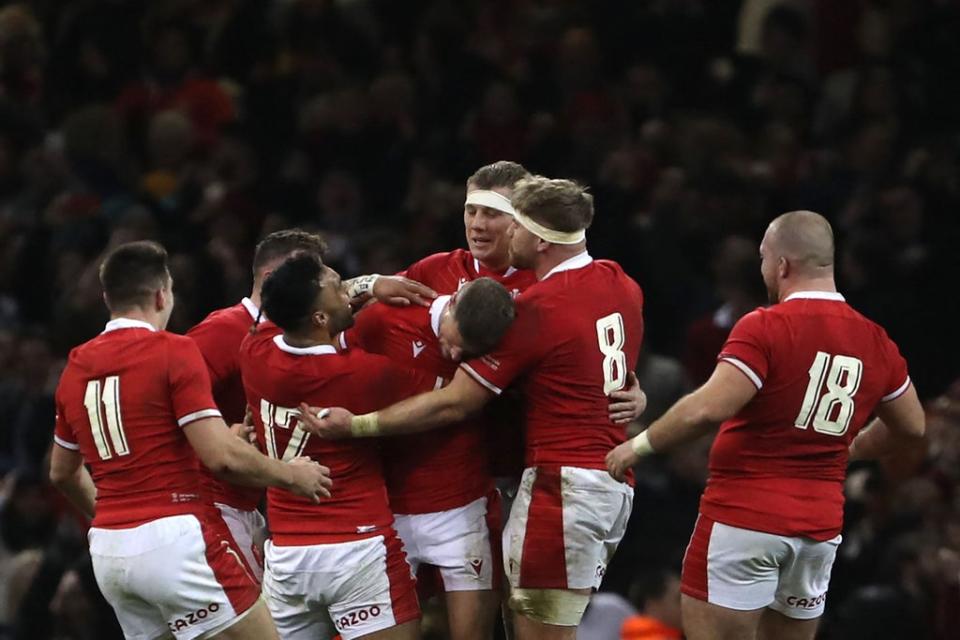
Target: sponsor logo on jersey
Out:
[192,618]
[357,616]
[418,348]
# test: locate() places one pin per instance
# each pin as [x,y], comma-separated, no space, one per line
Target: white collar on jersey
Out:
[437,308]
[251,308]
[127,323]
[816,295]
[316,350]
[578,261]
[506,274]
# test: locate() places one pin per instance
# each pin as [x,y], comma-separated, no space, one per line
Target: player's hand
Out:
[310,479]
[244,431]
[402,292]
[620,459]
[331,423]
[629,403]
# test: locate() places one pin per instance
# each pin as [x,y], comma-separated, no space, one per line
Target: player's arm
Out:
[726,392]
[452,403]
[392,290]
[236,461]
[72,479]
[900,424]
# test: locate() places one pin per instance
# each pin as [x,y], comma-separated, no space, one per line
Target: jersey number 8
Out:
[842,379]
[610,336]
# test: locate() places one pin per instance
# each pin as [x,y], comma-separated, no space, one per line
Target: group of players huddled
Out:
[382,413]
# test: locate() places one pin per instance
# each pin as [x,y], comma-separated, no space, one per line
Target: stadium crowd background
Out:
[206,124]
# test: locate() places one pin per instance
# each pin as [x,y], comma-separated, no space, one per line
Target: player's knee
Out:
[560,607]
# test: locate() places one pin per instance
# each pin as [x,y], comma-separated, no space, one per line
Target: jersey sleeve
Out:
[747,347]
[898,380]
[519,349]
[63,433]
[221,363]
[190,391]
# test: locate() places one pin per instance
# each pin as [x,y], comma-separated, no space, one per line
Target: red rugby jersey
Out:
[445,273]
[435,470]
[576,336]
[219,336]
[821,369]
[121,402]
[277,377]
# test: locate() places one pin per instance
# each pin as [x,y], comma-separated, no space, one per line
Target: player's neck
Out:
[307,340]
[497,266]
[826,283]
[556,255]
[255,297]
[153,319]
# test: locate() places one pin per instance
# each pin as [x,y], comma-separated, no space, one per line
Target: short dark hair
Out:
[502,173]
[290,291]
[280,244]
[561,205]
[132,272]
[650,584]
[483,311]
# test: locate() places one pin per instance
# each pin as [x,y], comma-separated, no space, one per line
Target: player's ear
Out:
[319,319]
[159,300]
[783,267]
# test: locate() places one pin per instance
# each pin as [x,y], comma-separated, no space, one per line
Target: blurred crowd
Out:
[205,124]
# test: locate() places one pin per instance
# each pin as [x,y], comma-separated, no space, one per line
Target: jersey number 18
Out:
[841,375]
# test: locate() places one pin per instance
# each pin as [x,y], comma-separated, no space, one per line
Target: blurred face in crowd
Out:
[486,231]
[523,247]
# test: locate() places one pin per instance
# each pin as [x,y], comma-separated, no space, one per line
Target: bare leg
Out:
[705,621]
[776,626]
[471,614]
[256,625]
[525,628]
[406,631]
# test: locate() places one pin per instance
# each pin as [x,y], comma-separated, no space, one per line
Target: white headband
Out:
[490,199]
[550,235]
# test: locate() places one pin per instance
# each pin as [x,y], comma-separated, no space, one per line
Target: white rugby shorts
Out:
[563,528]
[355,587]
[180,574]
[249,530]
[463,543]
[745,570]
